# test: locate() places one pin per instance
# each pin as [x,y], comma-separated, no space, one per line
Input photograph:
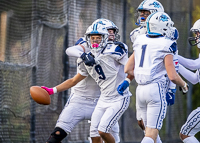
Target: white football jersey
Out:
[149,58]
[87,88]
[108,72]
[136,32]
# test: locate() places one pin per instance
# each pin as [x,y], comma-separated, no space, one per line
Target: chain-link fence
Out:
[33,37]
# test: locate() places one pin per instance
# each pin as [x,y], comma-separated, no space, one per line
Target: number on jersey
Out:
[99,70]
[142,55]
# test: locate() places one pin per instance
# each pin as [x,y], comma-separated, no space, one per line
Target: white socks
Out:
[147,140]
[191,139]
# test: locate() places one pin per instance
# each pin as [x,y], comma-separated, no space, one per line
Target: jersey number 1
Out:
[142,55]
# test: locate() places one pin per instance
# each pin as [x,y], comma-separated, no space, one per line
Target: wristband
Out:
[185,85]
[127,79]
[55,90]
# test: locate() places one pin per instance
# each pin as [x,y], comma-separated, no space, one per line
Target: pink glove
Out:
[49,90]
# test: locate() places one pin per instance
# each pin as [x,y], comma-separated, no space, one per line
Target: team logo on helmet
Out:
[101,22]
[156,4]
[163,18]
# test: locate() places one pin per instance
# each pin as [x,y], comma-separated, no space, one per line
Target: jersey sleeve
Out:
[170,48]
[173,47]
[136,32]
[80,41]
[83,43]
[122,51]
[132,35]
[78,49]
[189,63]
[175,60]
[189,75]
[81,67]
[74,51]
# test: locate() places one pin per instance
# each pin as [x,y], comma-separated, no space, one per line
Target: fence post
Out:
[189,94]
[98,8]
[66,65]
[124,40]
[33,104]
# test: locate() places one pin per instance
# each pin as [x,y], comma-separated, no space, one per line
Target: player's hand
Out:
[49,90]
[88,59]
[170,96]
[122,87]
[185,88]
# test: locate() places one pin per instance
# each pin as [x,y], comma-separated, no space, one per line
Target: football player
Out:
[151,60]
[192,125]
[108,73]
[146,8]
[81,48]
[85,94]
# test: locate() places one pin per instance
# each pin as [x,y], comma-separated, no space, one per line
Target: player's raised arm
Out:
[75,51]
[189,63]
[189,75]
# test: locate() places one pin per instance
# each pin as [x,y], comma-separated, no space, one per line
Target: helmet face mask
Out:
[159,23]
[96,36]
[141,17]
[109,26]
[147,5]
[195,40]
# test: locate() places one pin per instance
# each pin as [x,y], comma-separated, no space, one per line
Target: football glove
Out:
[88,59]
[122,87]
[50,90]
[170,96]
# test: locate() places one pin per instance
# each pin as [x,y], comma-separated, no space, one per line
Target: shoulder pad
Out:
[80,41]
[120,44]
[135,30]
